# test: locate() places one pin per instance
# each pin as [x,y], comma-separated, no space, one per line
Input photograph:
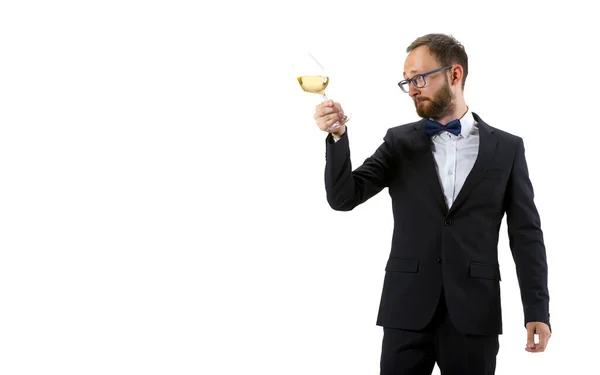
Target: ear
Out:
[456,75]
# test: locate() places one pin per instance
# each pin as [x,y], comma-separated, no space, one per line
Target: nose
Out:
[413,91]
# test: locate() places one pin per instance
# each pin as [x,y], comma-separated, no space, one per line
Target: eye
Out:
[419,80]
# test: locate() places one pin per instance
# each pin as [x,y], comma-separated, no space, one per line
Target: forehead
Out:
[419,60]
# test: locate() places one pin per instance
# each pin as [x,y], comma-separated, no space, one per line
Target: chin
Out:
[422,109]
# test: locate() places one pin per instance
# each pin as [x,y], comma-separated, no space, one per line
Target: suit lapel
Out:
[487,148]
[423,163]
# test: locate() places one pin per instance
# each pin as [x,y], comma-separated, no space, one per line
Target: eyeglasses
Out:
[419,80]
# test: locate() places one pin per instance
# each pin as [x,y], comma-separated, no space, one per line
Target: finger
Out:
[330,106]
[332,125]
[534,349]
[325,104]
[321,105]
[537,348]
[328,120]
[530,336]
[544,338]
[325,111]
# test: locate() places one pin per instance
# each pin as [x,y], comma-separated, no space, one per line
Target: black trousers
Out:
[416,352]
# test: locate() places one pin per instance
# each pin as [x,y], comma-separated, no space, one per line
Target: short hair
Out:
[446,49]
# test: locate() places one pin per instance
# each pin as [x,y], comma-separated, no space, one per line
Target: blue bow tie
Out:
[434,127]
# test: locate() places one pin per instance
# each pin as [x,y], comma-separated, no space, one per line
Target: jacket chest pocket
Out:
[493,184]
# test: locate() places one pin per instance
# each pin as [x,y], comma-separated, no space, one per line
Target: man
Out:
[451,178]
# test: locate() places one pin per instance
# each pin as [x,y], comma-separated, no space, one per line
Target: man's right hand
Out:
[327,114]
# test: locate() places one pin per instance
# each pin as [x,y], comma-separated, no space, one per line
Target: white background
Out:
[162,203]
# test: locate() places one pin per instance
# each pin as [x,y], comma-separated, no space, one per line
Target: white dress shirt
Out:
[455,156]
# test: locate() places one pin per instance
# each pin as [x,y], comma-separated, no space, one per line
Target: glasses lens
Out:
[404,86]
[419,81]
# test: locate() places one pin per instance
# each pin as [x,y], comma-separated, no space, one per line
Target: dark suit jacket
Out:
[456,249]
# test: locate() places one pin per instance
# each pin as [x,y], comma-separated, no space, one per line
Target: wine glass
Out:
[313,78]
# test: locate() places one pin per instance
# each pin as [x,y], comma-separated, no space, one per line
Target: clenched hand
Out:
[327,114]
[543,331]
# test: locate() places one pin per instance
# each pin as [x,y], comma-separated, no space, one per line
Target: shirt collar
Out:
[467,122]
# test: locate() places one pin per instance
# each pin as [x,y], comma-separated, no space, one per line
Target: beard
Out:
[438,106]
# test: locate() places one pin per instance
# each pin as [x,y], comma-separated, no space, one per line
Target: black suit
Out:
[453,250]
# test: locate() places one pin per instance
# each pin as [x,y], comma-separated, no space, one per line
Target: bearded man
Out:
[451,178]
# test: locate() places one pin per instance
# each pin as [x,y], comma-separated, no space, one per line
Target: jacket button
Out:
[448,222]
[439,260]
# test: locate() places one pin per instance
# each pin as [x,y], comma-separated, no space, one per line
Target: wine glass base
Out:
[343,121]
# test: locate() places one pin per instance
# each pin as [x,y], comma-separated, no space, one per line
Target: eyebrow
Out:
[412,71]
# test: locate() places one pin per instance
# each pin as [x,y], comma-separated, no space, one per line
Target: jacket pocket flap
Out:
[485,271]
[402,265]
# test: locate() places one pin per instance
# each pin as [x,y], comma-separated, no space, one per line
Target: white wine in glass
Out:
[312,78]
[314,84]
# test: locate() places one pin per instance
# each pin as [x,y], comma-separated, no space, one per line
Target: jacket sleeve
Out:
[526,241]
[347,189]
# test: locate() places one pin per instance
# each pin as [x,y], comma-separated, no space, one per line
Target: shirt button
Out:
[439,260]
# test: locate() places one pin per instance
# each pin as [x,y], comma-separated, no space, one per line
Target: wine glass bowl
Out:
[314,84]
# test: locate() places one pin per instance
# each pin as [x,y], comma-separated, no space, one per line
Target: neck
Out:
[457,111]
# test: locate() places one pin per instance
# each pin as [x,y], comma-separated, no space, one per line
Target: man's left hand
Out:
[543,331]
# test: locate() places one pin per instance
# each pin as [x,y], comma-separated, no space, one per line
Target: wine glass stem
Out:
[325,97]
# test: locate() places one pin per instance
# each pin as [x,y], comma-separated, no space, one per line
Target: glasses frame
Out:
[414,82]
